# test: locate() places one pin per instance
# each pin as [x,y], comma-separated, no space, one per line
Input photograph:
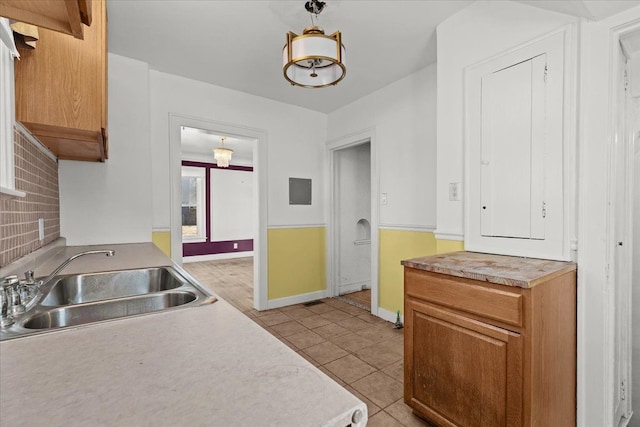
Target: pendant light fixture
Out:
[314,59]
[222,155]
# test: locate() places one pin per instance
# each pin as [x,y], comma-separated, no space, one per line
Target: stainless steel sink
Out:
[110,309]
[82,299]
[83,288]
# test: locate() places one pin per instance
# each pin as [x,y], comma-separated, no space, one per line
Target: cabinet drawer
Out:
[504,305]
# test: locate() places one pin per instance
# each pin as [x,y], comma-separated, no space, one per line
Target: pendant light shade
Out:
[313,59]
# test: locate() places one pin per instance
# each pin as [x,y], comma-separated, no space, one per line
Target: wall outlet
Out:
[383,198]
[41,229]
[235,245]
[455,192]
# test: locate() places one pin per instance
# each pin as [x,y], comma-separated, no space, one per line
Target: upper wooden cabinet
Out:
[61,90]
[65,16]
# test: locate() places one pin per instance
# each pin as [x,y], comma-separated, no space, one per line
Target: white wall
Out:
[404,117]
[111,202]
[296,138]
[231,205]
[478,32]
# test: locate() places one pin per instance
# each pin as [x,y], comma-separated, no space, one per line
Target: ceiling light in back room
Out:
[222,155]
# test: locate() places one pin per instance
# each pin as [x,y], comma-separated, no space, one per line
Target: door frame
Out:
[260,276]
[618,285]
[352,140]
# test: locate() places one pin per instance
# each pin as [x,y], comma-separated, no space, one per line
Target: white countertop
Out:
[208,365]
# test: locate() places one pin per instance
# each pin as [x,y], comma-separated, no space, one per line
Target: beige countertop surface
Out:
[207,365]
[499,269]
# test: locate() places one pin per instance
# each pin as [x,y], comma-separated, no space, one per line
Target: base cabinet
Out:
[479,354]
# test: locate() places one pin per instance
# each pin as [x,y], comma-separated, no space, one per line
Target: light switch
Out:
[383,198]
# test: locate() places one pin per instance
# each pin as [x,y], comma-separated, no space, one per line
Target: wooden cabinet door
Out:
[459,371]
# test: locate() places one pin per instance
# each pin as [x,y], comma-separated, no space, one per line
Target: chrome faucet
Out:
[107,252]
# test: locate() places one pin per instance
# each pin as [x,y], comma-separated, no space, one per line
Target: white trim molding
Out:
[7,119]
[459,237]
[284,227]
[260,178]
[402,227]
[351,140]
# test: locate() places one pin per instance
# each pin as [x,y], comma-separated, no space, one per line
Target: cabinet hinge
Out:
[626,81]
[545,72]
[544,209]
[623,389]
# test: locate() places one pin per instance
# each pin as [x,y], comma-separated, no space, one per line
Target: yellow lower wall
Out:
[297,261]
[397,245]
[162,239]
[444,246]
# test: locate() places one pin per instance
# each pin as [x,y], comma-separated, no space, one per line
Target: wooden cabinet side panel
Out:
[552,335]
[60,82]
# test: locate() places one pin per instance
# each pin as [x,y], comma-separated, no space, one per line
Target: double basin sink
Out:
[79,299]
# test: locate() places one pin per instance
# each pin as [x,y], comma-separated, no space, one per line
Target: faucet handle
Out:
[10,280]
[11,293]
[29,277]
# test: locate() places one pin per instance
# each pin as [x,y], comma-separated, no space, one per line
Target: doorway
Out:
[217,200]
[257,143]
[352,180]
[353,225]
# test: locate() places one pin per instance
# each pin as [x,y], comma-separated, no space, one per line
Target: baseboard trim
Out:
[296,299]
[354,287]
[389,316]
[215,257]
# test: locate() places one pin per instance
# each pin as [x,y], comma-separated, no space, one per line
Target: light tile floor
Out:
[361,352]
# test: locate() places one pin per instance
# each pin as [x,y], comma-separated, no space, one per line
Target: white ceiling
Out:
[238,44]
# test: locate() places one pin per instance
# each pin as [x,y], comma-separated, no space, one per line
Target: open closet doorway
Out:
[353,236]
[218,211]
